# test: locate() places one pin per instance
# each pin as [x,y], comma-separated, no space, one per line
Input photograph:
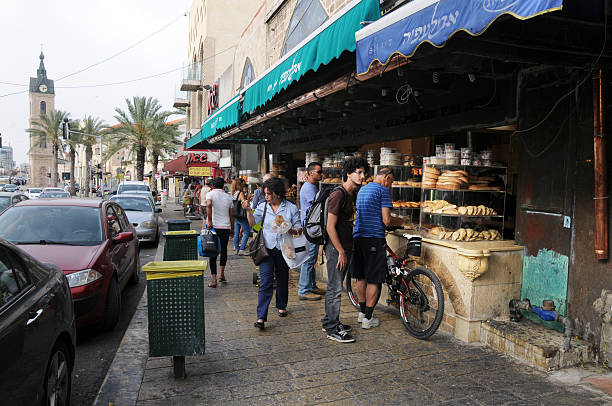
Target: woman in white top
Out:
[220,216]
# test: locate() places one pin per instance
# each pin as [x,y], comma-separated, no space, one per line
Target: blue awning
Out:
[434,22]
[225,117]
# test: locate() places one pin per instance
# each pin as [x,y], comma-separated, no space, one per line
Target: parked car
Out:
[2,186]
[54,194]
[10,187]
[131,186]
[10,198]
[34,192]
[92,241]
[53,189]
[67,187]
[37,330]
[142,213]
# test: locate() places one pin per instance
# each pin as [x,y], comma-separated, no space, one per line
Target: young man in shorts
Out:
[370,260]
[339,248]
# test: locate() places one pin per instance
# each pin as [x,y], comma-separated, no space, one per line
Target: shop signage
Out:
[213,98]
[200,171]
[199,158]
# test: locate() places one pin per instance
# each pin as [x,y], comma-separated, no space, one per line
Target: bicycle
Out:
[416,290]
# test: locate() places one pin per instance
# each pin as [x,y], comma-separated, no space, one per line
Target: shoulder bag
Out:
[239,211]
[257,248]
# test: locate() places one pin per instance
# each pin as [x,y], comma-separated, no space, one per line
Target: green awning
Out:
[330,40]
[225,117]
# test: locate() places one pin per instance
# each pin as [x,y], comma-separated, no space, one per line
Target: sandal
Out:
[222,280]
[259,325]
[283,313]
[212,285]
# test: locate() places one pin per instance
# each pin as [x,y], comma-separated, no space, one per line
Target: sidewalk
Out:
[292,361]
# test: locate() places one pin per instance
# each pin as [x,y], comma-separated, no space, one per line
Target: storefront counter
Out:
[479,279]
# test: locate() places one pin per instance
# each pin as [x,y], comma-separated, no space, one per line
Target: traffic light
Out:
[65,129]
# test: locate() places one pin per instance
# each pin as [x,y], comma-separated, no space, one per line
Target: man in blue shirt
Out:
[307,288]
[369,259]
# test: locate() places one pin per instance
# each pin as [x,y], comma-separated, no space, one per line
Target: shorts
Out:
[369,259]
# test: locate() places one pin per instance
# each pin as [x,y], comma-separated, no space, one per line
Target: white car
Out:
[34,192]
[52,189]
[131,186]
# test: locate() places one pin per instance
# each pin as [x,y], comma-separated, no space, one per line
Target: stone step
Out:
[534,344]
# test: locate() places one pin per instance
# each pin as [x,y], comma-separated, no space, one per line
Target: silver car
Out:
[142,213]
[10,198]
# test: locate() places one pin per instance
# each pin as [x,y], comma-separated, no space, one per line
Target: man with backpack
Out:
[307,288]
[339,247]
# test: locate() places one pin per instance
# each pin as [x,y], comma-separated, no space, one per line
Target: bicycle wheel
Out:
[421,302]
[352,294]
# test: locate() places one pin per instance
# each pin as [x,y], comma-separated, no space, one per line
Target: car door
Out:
[118,251]
[132,246]
[26,327]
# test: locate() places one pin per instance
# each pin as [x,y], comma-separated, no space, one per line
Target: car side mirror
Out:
[124,237]
[114,192]
[158,210]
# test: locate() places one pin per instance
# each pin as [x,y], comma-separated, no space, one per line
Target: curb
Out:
[124,377]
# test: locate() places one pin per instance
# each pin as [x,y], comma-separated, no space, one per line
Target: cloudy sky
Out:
[75,34]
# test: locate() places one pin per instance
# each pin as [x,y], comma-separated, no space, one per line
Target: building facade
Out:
[6,157]
[42,99]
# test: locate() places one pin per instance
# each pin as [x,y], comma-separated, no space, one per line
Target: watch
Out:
[42,88]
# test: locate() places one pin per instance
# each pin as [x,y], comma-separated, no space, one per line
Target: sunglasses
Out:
[320,171]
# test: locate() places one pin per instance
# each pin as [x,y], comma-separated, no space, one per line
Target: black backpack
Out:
[239,211]
[315,221]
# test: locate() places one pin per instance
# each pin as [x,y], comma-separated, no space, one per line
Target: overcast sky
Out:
[77,33]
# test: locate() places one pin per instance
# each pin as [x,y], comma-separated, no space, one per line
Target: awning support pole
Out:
[599,145]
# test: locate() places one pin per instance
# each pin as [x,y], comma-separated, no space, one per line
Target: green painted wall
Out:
[545,278]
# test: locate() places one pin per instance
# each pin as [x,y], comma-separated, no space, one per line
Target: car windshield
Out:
[34,190]
[133,203]
[53,195]
[67,225]
[5,201]
[132,188]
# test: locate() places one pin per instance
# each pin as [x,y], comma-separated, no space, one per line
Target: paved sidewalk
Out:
[292,362]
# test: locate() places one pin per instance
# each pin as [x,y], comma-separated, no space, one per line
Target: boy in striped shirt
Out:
[369,259]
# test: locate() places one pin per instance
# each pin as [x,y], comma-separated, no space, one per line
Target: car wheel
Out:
[136,274]
[113,306]
[58,378]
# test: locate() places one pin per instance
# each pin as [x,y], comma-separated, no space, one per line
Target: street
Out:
[96,349]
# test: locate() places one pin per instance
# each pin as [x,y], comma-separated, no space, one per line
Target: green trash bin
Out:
[181,245]
[178,225]
[175,301]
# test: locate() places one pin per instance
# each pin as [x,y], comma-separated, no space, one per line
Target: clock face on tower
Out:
[43,88]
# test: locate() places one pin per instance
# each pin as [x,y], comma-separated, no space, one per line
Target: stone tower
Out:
[42,99]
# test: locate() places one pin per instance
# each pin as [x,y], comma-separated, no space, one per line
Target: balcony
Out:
[181,99]
[192,77]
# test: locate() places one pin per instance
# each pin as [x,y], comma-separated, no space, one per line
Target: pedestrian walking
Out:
[339,248]
[205,189]
[278,210]
[369,259]
[220,216]
[258,196]
[241,224]
[307,287]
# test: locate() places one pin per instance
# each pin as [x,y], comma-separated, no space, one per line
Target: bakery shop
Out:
[496,137]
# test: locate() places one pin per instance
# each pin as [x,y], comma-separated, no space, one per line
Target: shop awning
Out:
[434,22]
[176,166]
[326,43]
[225,117]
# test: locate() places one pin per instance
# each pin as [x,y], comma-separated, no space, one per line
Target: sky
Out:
[75,34]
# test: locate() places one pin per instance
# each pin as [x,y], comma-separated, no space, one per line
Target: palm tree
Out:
[135,129]
[164,140]
[93,126]
[47,127]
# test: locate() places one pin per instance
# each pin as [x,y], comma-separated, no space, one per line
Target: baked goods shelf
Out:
[462,215]
[466,190]
[406,187]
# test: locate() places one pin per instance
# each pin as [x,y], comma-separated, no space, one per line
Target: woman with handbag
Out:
[220,216]
[274,211]
[240,219]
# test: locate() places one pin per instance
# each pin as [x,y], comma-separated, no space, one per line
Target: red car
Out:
[92,241]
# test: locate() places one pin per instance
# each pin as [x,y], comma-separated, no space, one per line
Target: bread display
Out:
[279,220]
[465,234]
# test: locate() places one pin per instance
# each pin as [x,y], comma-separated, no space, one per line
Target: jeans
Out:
[212,262]
[246,230]
[334,288]
[307,273]
[273,265]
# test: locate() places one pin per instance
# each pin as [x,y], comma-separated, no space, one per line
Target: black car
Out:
[37,330]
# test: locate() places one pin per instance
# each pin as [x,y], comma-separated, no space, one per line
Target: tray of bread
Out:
[434,178]
[406,205]
[444,207]
[407,183]
[465,234]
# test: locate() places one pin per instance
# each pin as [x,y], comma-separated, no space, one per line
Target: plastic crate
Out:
[178,225]
[181,245]
[175,302]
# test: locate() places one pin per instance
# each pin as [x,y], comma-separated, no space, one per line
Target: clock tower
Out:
[42,100]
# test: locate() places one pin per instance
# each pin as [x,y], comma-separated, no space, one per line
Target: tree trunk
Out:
[88,155]
[154,171]
[54,165]
[140,158]
[72,177]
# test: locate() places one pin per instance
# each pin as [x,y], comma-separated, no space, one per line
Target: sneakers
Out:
[368,324]
[309,296]
[341,336]
[243,252]
[318,291]
[360,317]
[344,327]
